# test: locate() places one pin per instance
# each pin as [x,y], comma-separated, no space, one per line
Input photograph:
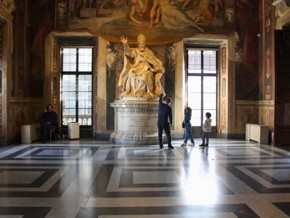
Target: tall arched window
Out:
[76,85]
[201,83]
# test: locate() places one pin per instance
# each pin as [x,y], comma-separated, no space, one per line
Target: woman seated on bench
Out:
[48,123]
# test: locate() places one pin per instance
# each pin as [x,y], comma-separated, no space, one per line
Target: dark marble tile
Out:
[283,206]
[253,183]
[53,153]
[240,210]
[25,212]
[37,181]
[56,189]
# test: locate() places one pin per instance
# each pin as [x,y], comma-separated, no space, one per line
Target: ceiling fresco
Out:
[161,21]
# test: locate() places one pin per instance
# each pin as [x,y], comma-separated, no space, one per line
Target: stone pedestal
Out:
[135,121]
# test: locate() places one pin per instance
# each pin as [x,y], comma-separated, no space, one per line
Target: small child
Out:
[206,128]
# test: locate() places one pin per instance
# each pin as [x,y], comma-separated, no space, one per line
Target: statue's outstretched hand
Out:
[123,40]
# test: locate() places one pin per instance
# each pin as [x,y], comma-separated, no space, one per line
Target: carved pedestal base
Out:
[135,121]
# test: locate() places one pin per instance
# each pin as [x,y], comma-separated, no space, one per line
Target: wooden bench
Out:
[258,133]
[30,133]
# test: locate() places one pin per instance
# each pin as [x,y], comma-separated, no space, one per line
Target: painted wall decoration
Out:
[1,56]
[1,74]
[268,26]
[8,5]
[114,63]
[169,21]
[61,14]
[223,122]
[247,75]
[224,60]
[161,21]
[40,20]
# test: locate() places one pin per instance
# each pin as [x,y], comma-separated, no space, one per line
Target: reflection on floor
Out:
[83,178]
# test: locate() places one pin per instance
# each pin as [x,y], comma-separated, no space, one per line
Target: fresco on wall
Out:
[1,75]
[169,21]
[41,23]
[8,5]
[161,21]
[247,75]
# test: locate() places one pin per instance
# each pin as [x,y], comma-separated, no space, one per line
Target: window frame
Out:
[77,73]
[202,75]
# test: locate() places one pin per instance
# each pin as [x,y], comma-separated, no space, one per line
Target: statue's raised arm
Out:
[124,40]
[142,71]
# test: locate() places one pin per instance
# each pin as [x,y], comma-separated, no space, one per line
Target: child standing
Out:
[187,127]
[206,128]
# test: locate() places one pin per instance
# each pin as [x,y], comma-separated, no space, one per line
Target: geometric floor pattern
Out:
[87,178]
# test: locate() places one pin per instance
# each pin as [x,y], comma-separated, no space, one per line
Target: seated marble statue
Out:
[142,71]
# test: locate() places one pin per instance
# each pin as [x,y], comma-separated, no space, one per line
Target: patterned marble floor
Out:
[86,178]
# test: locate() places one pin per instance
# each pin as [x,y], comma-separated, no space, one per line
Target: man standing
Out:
[164,120]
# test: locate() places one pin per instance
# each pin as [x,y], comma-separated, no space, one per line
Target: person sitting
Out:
[48,123]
